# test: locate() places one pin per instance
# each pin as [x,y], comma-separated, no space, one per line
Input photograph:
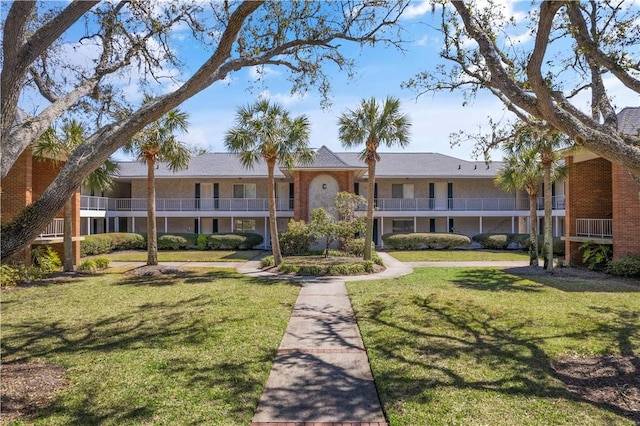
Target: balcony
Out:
[594,228]
[183,204]
[461,204]
[53,230]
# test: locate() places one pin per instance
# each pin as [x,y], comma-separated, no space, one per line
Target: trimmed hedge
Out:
[234,241]
[104,243]
[420,241]
[626,267]
[505,241]
[190,238]
[172,242]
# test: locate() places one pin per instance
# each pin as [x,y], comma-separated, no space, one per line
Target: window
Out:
[402,190]
[402,226]
[244,190]
[244,225]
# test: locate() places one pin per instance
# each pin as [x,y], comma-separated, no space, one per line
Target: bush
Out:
[419,241]
[171,242]
[102,262]
[126,241]
[88,265]
[17,273]
[191,239]
[494,241]
[201,241]
[297,239]
[626,267]
[234,241]
[267,261]
[595,256]
[45,258]
[355,246]
[104,243]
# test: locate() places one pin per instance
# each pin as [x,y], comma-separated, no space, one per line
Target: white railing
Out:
[202,204]
[602,228]
[54,229]
[461,204]
[89,202]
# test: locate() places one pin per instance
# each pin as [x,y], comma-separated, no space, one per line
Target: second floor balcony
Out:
[462,204]
[183,204]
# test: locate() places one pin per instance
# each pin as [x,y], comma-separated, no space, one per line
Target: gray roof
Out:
[391,164]
[220,164]
[629,121]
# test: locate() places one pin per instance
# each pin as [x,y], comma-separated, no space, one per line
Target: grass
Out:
[458,255]
[182,256]
[188,349]
[459,346]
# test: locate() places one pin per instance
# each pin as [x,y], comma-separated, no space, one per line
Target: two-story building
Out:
[414,192]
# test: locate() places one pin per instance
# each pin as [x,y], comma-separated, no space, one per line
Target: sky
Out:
[380,72]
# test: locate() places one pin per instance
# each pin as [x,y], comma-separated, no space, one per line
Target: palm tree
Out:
[54,147]
[372,124]
[266,132]
[157,142]
[548,146]
[522,171]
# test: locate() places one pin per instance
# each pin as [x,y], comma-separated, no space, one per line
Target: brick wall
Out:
[626,213]
[301,181]
[588,195]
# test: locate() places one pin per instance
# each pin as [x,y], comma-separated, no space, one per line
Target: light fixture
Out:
[324,186]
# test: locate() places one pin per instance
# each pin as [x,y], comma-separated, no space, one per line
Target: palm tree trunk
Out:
[371,185]
[548,230]
[152,237]
[273,222]
[533,231]
[67,241]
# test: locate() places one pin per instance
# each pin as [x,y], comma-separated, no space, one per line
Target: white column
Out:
[557,226]
[447,225]
[88,226]
[265,232]
[133,224]
[232,224]
[199,225]
[513,228]
[116,224]
[381,232]
[165,224]
[480,224]
[415,224]
[107,221]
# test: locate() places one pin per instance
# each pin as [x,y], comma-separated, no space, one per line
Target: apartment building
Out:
[603,199]
[414,192]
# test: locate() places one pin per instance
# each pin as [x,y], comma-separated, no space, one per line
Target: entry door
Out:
[206,195]
[441,194]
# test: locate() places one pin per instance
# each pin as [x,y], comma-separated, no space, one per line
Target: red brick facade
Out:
[598,189]
[25,182]
[302,180]
[626,213]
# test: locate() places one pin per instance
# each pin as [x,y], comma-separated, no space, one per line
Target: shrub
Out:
[234,241]
[267,261]
[102,262]
[297,239]
[191,239]
[95,244]
[626,267]
[171,242]
[368,265]
[88,265]
[126,241]
[201,241]
[494,241]
[595,256]
[46,259]
[418,241]
[375,257]
[17,273]
[355,246]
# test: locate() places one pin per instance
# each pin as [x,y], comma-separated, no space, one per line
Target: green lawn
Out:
[458,255]
[193,349]
[458,346]
[182,256]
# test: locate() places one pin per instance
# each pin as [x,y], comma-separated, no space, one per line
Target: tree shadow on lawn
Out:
[529,279]
[149,326]
[413,358]
[192,276]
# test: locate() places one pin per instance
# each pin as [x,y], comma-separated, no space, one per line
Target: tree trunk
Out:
[371,185]
[67,241]
[152,236]
[548,230]
[533,231]
[273,222]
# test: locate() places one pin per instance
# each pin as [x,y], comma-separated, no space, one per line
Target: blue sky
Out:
[380,72]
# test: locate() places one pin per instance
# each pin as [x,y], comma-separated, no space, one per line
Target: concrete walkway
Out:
[321,374]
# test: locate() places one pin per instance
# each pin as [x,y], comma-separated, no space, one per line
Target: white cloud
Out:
[261,72]
[284,99]
[417,9]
